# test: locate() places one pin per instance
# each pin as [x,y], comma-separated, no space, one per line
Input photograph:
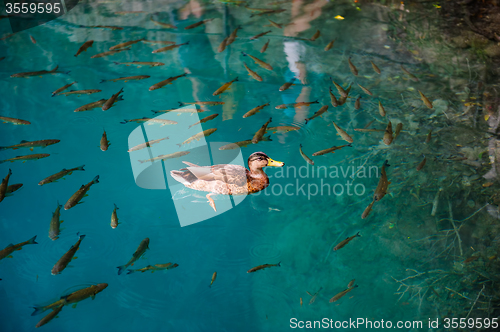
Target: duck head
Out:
[258,160]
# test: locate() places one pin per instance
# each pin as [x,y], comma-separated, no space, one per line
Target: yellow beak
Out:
[275,163]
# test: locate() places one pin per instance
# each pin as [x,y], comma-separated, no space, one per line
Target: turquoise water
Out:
[298,227]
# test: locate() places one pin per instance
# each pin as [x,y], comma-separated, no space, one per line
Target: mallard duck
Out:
[227,179]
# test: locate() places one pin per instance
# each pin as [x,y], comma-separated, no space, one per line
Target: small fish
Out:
[284,129]
[38,73]
[330,150]
[224,87]
[146,145]
[166,156]
[79,194]
[84,47]
[164,25]
[80,92]
[388,138]
[15,187]
[259,62]
[151,121]
[242,144]
[427,139]
[342,133]
[399,127]
[381,109]
[287,85]
[470,259]
[67,257]
[128,78]
[422,164]
[205,119]
[264,48]
[342,92]
[410,75]
[55,223]
[114,218]
[26,157]
[61,174]
[341,294]
[222,45]
[351,283]
[13,247]
[143,246]
[426,101]
[329,45]
[306,158]
[125,44]
[268,12]
[197,24]
[383,184]
[274,24]
[343,99]
[62,89]
[207,103]
[357,103]
[168,48]
[255,110]
[165,82]
[260,35]
[368,92]
[253,74]
[301,302]
[313,297]
[107,53]
[153,268]
[104,144]
[164,42]
[232,37]
[260,267]
[110,27]
[367,211]
[299,104]
[315,36]
[333,99]
[31,144]
[213,279]
[343,243]
[198,136]
[367,130]
[110,102]
[141,63]
[4,185]
[322,110]
[374,66]
[177,110]
[95,104]
[260,133]
[353,68]
[53,314]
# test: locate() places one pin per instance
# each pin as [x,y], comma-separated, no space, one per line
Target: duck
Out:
[227,179]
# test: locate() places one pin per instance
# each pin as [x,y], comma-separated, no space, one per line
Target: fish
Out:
[264,48]
[26,157]
[213,279]
[232,37]
[306,158]
[301,302]
[67,257]
[153,268]
[84,47]
[313,297]
[399,127]
[114,218]
[159,42]
[367,130]
[261,267]
[53,314]
[125,44]
[242,144]
[197,137]
[62,89]
[388,134]
[207,103]
[342,133]
[274,24]
[260,35]
[141,63]
[104,144]
[381,109]
[330,150]
[38,73]
[253,74]
[357,103]
[165,82]
[383,184]
[163,25]
[13,247]
[167,156]
[368,92]
[374,66]
[222,45]
[143,246]
[341,294]
[13,188]
[110,27]
[315,36]
[342,92]
[329,45]
[353,68]
[367,211]
[322,110]
[426,101]
[343,243]
[287,85]
[178,110]
[224,87]
[74,297]
[128,78]
[351,283]
[151,121]
[79,194]
[60,174]
[168,48]
[80,92]
[31,144]
[343,99]
[333,99]
[427,139]
[284,129]
[260,133]
[197,24]
[422,164]
[109,103]
[95,104]
[410,75]
[4,185]
[205,119]
[299,104]
[255,110]
[107,53]
[55,223]
[259,62]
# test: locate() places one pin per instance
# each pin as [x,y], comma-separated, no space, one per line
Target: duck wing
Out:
[230,174]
